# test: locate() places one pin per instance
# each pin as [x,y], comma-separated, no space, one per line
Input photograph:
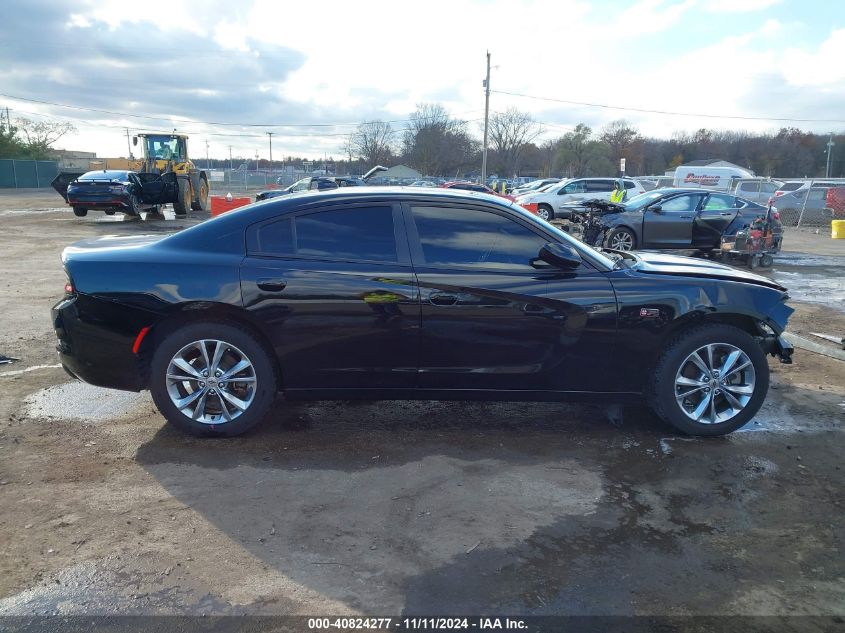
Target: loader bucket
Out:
[63,179]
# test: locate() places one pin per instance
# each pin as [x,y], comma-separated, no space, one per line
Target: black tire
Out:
[619,237]
[662,391]
[109,212]
[80,212]
[545,212]
[201,203]
[766,260]
[183,197]
[236,337]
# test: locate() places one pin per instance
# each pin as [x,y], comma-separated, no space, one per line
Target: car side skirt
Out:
[489,395]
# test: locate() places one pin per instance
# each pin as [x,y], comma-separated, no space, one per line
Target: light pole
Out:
[207,161]
[830,145]
[486,118]
[270,134]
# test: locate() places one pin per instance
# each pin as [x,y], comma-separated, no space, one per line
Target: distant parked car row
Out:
[558,200]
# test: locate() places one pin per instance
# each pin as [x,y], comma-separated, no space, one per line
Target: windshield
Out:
[643,200]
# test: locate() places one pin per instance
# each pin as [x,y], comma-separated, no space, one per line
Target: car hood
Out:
[665,264]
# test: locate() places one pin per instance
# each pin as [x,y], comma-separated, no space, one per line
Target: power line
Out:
[184,120]
[667,112]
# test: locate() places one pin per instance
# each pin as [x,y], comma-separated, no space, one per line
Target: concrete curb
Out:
[801,343]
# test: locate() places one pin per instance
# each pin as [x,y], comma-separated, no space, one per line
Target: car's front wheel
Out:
[710,380]
[212,379]
[545,212]
[621,239]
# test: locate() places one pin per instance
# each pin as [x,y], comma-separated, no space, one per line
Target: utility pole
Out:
[128,144]
[830,145]
[486,121]
[207,162]
[270,134]
[230,158]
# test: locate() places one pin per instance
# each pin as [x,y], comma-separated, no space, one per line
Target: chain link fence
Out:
[811,203]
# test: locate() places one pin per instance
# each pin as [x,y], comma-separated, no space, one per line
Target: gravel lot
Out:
[405,507]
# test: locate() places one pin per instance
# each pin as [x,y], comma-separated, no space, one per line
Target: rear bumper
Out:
[97,202]
[94,349]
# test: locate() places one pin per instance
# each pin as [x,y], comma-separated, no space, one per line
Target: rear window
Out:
[105,175]
[790,186]
[358,233]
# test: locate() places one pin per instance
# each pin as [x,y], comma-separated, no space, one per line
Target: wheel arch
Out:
[202,311]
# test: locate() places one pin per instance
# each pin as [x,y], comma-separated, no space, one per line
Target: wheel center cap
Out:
[212,382]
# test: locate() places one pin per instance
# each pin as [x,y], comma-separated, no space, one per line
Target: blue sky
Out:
[288,69]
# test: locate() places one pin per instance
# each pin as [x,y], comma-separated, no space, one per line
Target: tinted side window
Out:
[680,204]
[817,194]
[470,237]
[276,238]
[573,187]
[717,201]
[630,184]
[364,233]
[594,186]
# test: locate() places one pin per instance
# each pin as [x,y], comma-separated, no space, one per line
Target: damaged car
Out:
[671,219]
[404,293]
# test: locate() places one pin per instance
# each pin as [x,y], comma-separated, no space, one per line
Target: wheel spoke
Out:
[239,367]
[702,406]
[711,365]
[681,396]
[181,378]
[182,364]
[219,348]
[712,409]
[183,403]
[702,367]
[690,382]
[233,400]
[736,369]
[204,352]
[744,390]
[245,379]
[736,405]
[223,407]
[200,408]
[730,361]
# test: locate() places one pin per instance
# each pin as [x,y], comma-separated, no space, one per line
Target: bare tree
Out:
[510,131]
[434,142]
[40,135]
[619,137]
[372,142]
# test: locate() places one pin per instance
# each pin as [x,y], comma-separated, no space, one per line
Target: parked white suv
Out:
[559,202]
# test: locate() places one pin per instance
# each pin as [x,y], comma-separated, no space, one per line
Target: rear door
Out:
[716,213]
[599,189]
[335,292]
[569,195]
[671,226]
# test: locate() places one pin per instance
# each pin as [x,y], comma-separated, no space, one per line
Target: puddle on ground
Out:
[81,401]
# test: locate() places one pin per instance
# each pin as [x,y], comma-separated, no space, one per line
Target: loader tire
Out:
[201,203]
[183,197]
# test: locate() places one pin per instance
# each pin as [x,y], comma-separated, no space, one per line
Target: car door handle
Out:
[443,299]
[271,285]
[726,215]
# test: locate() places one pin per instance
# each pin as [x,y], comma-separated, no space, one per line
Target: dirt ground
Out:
[405,507]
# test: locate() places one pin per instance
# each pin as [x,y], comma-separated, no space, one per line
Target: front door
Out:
[671,225]
[495,318]
[334,291]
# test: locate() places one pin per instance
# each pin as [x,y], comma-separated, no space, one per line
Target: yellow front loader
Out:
[167,175]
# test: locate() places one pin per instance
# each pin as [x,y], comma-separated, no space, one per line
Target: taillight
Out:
[69,289]
[776,215]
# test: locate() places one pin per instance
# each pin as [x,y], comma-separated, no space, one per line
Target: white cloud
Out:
[739,6]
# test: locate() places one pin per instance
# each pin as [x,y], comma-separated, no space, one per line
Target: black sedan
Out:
[105,190]
[407,293]
[675,218]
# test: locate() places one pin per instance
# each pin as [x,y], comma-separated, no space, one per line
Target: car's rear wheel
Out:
[212,379]
[710,380]
[80,212]
[622,239]
[545,212]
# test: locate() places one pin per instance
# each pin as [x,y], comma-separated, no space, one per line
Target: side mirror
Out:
[560,256]
[134,140]
[656,208]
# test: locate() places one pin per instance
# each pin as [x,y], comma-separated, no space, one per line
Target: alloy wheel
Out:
[622,241]
[715,383]
[211,381]
[543,213]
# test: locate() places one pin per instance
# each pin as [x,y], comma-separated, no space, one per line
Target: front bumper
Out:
[778,346]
